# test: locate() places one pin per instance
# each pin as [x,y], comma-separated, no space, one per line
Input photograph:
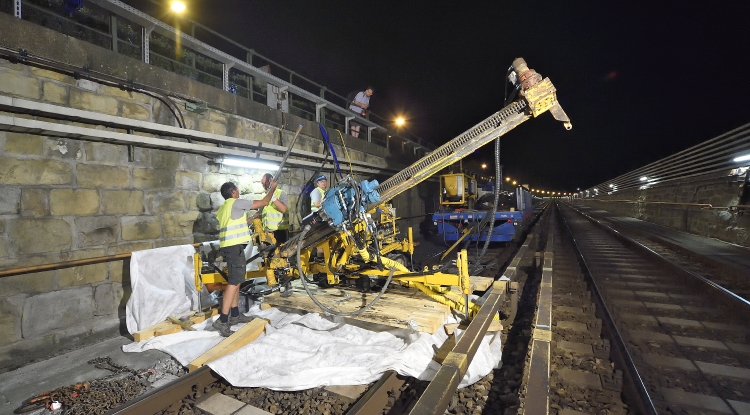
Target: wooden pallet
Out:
[167,327]
[395,308]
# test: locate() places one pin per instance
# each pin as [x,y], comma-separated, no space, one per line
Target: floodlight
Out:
[247,163]
[746,157]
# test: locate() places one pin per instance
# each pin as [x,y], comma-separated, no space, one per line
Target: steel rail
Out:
[159,399]
[677,267]
[619,351]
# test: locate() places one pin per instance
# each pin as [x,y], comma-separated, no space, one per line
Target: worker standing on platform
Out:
[359,105]
[234,235]
[317,195]
[275,215]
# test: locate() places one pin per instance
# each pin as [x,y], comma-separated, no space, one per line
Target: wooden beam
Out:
[166,327]
[237,340]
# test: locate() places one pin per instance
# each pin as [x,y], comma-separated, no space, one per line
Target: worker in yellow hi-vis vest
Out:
[319,193]
[275,215]
[233,237]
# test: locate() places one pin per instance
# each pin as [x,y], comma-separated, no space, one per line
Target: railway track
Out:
[392,394]
[680,339]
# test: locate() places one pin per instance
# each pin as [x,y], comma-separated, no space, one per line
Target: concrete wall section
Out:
[718,189]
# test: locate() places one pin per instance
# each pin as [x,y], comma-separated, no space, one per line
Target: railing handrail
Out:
[712,156]
[150,23]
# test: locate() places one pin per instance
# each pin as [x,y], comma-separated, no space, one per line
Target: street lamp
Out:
[484,165]
[178,6]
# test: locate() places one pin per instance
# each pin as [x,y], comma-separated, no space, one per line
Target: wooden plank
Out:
[477,284]
[237,340]
[166,327]
[390,312]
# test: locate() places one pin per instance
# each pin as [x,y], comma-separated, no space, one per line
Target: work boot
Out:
[240,319]
[223,328]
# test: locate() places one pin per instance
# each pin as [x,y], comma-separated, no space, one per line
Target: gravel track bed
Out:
[571,290]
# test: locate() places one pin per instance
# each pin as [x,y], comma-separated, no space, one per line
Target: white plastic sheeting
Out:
[163,284]
[304,351]
[296,351]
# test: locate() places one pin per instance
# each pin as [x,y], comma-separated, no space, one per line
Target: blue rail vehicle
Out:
[514,212]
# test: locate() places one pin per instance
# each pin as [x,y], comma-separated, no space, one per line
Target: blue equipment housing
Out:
[507,225]
[344,202]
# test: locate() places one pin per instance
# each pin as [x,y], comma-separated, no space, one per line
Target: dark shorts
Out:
[235,258]
[353,123]
[281,236]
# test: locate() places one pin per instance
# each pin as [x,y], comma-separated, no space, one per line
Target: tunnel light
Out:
[507,179]
[739,159]
[644,178]
[250,164]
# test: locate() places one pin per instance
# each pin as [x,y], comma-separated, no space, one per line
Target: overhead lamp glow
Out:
[178,6]
[746,157]
[644,178]
[250,164]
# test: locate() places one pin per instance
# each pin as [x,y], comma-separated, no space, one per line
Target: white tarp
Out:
[300,351]
[163,284]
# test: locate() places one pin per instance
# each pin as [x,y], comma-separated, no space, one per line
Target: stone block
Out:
[92,102]
[52,75]
[162,159]
[62,148]
[185,240]
[90,175]
[97,230]
[251,410]
[10,329]
[73,202]
[10,200]
[194,163]
[136,228]
[34,172]
[129,247]
[2,226]
[122,202]
[83,275]
[34,202]
[121,93]
[28,144]
[166,202]
[56,310]
[107,298]
[54,93]
[216,200]
[35,236]
[206,224]
[212,182]
[201,201]
[37,282]
[135,111]
[119,271]
[4,248]
[188,180]
[106,153]
[153,178]
[19,85]
[179,224]
[213,127]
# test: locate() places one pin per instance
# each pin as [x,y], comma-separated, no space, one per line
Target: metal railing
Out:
[115,25]
[713,156]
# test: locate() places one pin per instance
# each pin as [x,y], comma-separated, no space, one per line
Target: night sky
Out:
[640,80]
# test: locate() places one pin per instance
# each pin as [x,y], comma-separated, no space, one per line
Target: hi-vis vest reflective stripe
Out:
[231,231]
[273,219]
[313,208]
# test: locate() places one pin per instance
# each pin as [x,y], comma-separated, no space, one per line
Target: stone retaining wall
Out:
[718,189]
[66,199]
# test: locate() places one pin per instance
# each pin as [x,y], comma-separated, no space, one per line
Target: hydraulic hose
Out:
[325,309]
[491,222]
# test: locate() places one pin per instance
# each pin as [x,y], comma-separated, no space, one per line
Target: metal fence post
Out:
[113,30]
[320,114]
[17,8]
[146,38]
[249,58]
[225,75]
